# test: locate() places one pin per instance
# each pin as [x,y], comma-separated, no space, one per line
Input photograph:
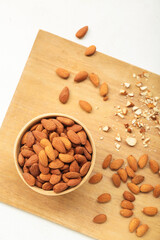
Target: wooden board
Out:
[37,93]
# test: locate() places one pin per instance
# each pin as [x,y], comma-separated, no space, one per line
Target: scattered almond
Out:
[133,188]
[116,180]
[154,166]
[128,196]
[126,213]
[132,163]
[141,230]
[94,79]
[150,211]
[123,174]
[106,161]
[131,141]
[134,223]
[137,179]
[96,178]
[81,76]
[143,161]
[103,89]
[145,188]
[90,50]
[64,95]
[127,204]
[82,32]
[85,106]
[116,164]
[156,191]
[101,218]
[104,198]
[61,72]
[130,172]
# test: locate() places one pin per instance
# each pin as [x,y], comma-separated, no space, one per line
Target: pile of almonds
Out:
[122,175]
[55,154]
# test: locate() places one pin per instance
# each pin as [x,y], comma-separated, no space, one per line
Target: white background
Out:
[125,29]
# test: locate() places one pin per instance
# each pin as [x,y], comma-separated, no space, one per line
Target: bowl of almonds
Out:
[54,154]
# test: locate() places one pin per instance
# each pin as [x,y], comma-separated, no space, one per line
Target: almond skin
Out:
[61,72]
[116,180]
[66,158]
[154,166]
[107,161]
[96,178]
[45,142]
[27,153]
[137,179]
[94,79]
[83,137]
[104,198]
[33,159]
[21,159]
[47,186]
[43,159]
[50,152]
[86,154]
[74,182]
[39,135]
[88,147]
[34,170]
[37,148]
[48,124]
[156,191]
[134,223]
[59,125]
[101,218]
[116,164]
[130,172]
[128,196]
[81,76]
[81,159]
[145,188]
[45,177]
[64,95]
[60,187]
[73,137]
[133,188]
[38,184]
[72,175]
[82,32]
[44,170]
[123,174]
[55,179]
[90,50]
[66,121]
[127,204]
[56,164]
[58,145]
[30,139]
[74,167]
[132,162]
[103,89]
[29,179]
[66,143]
[85,106]
[143,161]
[84,169]
[126,213]
[141,230]
[150,211]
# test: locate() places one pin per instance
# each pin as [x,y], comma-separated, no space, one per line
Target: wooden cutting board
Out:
[37,93]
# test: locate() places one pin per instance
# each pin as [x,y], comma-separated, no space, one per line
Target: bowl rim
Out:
[17,147]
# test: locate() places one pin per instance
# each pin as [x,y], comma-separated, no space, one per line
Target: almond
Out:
[75,128]
[21,159]
[84,169]
[133,188]
[123,174]
[101,218]
[80,158]
[43,158]
[94,79]
[83,137]
[60,187]
[127,204]
[143,161]
[39,135]
[55,171]
[29,179]
[45,142]
[47,186]
[45,131]
[64,95]
[73,137]
[65,167]
[116,180]
[154,166]
[88,147]
[156,191]
[56,164]
[107,161]
[59,125]
[128,196]
[71,152]
[126,213]
[82,32]
[48,124]
[33,159]
[44,170]
[39,127]
[74,182]
[81,76]
[66,121]
[134,223]
[87,155]
[55,179]
[58,145]
[130,172]
[104,198]
[137,179]
[105,98]
[90,50]
[85,106]
[45,177]
[25,169]
[96,178]
[132,163]
[145,188]
[66,143]
[66,158]
[30,139]
[74,167]
[141,230]
[24,138]
[116,164]
[40,180]
[61,72]
[37,148]
[27,153]
[38,184]
[103,89]
[34,170]
[50,152]
[72,175]
[52,135]
[150,211]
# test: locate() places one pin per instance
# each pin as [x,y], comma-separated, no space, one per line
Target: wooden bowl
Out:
[17,148]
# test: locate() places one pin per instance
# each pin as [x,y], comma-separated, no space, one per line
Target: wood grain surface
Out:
[37,93]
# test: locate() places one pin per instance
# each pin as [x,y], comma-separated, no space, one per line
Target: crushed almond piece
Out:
[120,115]
[127,85]
[143,88]
[118,138]
[106,128]
[131,94]
[142,130]
[135,108]
[129,104]
[124,111]
[126,125]
[117,146]
[138,112]
[101,138]
[150,105]
[129,130]
[105,98]
[146,140]
[131,141]
[134,75]
[146,74]
[138,84]
[123,92]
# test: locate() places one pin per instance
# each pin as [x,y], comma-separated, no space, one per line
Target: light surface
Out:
[125,29]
